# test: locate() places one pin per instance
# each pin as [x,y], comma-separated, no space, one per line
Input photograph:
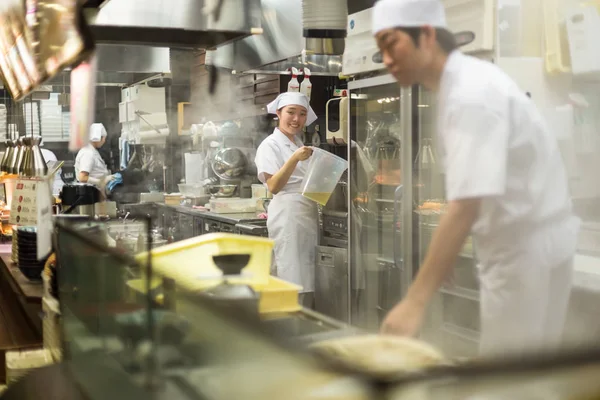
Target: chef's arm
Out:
[447,242]
[84,177]
[276,182]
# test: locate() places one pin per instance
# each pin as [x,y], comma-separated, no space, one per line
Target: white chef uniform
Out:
[495,145]
[88,158]
[293,219]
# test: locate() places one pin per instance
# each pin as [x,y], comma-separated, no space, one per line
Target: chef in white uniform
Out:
[281,162]
[505,183]
[48,157]
[89,165]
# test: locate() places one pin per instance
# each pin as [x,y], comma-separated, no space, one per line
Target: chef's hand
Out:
[303,153]
[405,319]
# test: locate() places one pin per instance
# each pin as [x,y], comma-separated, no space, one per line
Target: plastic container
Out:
[192,190]
[190,262]
[232,206]
[259,191]
[324,172]
[277,296]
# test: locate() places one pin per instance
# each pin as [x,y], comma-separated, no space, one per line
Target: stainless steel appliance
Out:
[335,229]
[393,171]
[332,289]
[79,198]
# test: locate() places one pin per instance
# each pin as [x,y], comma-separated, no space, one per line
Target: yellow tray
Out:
[190,261]
[276,296]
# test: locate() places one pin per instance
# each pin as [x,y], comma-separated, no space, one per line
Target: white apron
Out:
[293,225]
[525,291]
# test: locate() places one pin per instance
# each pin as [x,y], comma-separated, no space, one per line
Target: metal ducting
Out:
[124,65]
[174,23]
[291,38]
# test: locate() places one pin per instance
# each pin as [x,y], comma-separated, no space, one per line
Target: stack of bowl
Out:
[29,264]
[14,255]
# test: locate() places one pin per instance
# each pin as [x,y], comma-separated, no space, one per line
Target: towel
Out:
[118,180]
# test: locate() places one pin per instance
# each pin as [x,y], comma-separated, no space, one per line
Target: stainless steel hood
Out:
[124,65]
[173,23]
[281,46]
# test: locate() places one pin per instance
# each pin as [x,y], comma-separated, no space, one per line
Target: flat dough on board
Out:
[380,354]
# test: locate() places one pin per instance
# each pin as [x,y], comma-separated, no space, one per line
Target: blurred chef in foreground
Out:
[89,165]
[293,219]
[505,183]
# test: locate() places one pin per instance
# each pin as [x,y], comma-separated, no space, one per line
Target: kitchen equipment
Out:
[222,190]
[232,206]
[17,157]
[332,284]
[8,154]
[79,198]
[259,191]
[583,28]
[192,190]
[190,262]
[335,228]
[233,296]
[229,163]
[323,173]
[33,163]
[253,228]
[337,120]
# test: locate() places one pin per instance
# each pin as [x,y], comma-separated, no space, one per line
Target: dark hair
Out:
[445,38]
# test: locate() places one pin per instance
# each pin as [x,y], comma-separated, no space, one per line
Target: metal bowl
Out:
[222,190]
[229,163]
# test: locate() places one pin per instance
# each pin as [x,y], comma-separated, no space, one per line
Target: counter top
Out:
[227,218]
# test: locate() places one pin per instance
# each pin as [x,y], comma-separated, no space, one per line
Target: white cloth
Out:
[495,145]
[97,132]
[293,98]
[58,183]
[389,14]
[89,160]
[293,219]
[273,152]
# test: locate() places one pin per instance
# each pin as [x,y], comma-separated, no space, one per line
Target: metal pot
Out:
[229,163]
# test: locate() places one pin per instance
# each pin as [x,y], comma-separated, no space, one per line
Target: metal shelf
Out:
[468,294]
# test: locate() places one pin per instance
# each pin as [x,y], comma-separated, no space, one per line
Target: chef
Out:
[281,162]
[505,183]
[89,165]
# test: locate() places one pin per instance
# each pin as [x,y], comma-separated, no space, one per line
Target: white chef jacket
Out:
[293,219]
[89,160]
[495,145]
[58,183]
[273,152]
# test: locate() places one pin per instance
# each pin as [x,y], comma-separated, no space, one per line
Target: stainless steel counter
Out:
[226,218]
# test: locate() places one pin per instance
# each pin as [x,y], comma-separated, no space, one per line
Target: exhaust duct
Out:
[296,33]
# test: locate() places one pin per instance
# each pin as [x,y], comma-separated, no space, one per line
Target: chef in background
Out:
[50,156]
[281,162]
[89,165]
[505,183]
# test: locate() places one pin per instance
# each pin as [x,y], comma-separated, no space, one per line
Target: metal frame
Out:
[406,211]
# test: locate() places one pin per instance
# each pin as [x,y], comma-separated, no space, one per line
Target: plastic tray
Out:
[276,296]
[190,261]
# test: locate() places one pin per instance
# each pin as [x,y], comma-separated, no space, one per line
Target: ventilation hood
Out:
[173,23]
[282,45]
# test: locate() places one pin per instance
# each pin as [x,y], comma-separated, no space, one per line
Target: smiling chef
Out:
[505,183]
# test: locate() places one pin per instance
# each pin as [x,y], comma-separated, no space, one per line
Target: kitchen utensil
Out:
[192,190]
[229,163]
[222,190]
[33,163]
[6,159]
[227,295]
[323,173]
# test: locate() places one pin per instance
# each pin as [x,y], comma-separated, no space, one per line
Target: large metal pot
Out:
[229,163]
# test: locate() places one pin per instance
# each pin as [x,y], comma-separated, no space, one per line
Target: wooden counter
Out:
[20,310]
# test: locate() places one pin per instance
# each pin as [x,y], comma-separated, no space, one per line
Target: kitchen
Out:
[196,117]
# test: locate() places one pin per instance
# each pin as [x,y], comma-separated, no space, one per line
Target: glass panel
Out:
[375,169]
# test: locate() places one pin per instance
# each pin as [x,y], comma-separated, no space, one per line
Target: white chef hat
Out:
[292,98]
[388,14]
[97,132]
